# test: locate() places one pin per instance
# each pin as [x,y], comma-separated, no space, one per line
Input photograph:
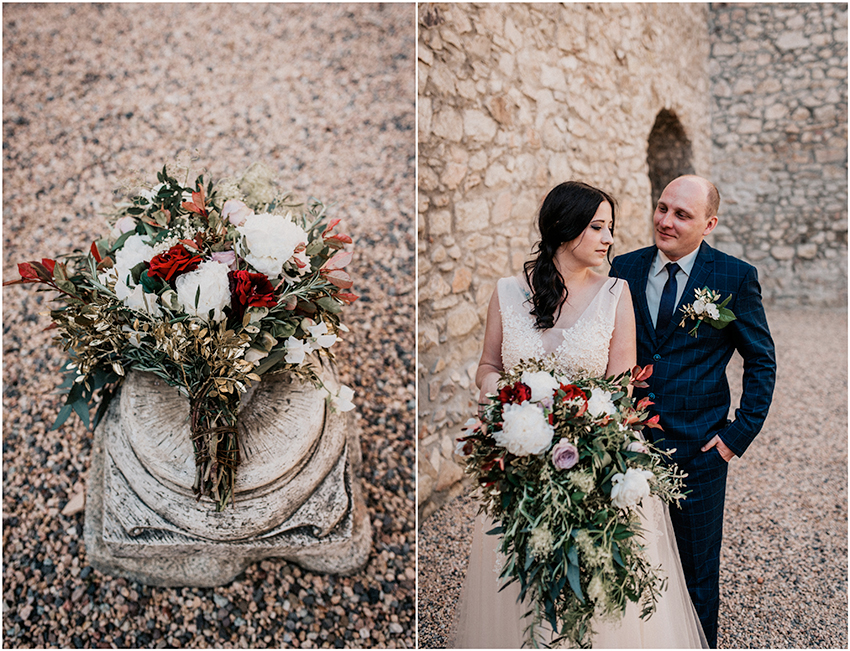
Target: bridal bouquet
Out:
[562,467]
[209,287]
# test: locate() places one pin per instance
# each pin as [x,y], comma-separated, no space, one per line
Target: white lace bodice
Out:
[579,349]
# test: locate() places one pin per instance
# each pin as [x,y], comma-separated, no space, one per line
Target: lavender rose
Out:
[564,455]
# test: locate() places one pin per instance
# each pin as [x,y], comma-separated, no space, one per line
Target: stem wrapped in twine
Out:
[214,438]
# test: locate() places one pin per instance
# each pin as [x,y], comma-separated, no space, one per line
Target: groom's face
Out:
[681,218]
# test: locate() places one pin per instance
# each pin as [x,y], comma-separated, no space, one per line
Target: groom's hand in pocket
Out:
[725,452]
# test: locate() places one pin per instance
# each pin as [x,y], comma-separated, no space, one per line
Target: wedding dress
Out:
[491,619]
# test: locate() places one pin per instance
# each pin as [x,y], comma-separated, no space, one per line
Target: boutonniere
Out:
[707,308]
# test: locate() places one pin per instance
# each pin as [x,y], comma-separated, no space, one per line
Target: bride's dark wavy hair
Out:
[565,213]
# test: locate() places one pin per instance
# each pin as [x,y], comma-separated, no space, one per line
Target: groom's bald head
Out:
[686,212]
[712,196]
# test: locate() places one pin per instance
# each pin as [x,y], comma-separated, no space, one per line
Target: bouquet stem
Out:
[214,438]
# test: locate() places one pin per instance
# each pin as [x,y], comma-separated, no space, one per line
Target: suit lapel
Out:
[641,277]
[703,266]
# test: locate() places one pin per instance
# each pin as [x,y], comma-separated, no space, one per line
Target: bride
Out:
[561,307]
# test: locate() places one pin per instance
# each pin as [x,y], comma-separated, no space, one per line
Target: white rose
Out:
[629,489]
[600,403]
[136,299]
[699,306]
[637,446]
[269,241]
[541,383]
[211,279]
[712,311]
[525,430]
[134,251]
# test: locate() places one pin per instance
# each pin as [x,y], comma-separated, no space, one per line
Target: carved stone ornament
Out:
[296,495]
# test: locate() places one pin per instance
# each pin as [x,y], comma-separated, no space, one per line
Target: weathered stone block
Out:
[807,251]
[439,222]
[447,123]
[478,126]
[472,215]
[461,320]
[296,495]
[781,252]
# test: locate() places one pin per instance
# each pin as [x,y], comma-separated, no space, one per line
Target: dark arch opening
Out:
[668,153]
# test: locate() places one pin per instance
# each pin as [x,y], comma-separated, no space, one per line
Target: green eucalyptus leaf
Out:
[574,577]
[66,411]
[314,247]
[121,240]
[81,407]
[329,304]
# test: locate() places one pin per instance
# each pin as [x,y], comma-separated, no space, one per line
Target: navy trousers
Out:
[699,533]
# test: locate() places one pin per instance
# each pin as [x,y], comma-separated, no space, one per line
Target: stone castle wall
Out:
[514,99]
[779,145]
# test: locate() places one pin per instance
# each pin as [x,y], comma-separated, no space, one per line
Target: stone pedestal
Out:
[296,494]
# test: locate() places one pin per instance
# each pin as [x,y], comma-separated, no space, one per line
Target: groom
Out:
[688,383]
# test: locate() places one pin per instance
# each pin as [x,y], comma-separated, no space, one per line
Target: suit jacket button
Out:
[656,357]
[651,396]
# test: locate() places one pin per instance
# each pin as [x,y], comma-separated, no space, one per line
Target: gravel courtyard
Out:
[783,574]
[95,94]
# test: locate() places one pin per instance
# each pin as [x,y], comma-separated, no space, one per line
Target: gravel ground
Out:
[325,96]
[783,577]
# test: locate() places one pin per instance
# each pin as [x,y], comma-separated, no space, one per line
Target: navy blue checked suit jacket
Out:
[688,384]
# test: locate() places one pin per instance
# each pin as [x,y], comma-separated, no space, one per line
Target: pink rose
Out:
[226,258]
[126,224]
[564,455]
[235,211]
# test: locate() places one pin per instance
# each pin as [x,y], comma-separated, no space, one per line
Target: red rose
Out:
[177,260]
[250,290]
[516,393]
[572,392]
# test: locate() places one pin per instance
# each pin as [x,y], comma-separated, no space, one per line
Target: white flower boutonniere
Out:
[707,307]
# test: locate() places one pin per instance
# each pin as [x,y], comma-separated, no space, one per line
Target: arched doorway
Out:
[668,153]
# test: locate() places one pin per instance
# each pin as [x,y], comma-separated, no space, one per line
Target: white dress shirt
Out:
[658,278]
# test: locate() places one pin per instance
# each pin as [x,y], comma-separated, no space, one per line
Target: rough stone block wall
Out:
[779,139]
[514,99]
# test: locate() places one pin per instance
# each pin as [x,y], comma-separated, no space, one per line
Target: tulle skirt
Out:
[489,619]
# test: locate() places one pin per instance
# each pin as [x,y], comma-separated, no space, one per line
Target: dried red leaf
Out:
[330,227]
[192,244]
[27,272]
[95,252]
[347,297]
[338,240]
[339,278]
[653,423]
[643,403]
[338,261]
[640,374]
